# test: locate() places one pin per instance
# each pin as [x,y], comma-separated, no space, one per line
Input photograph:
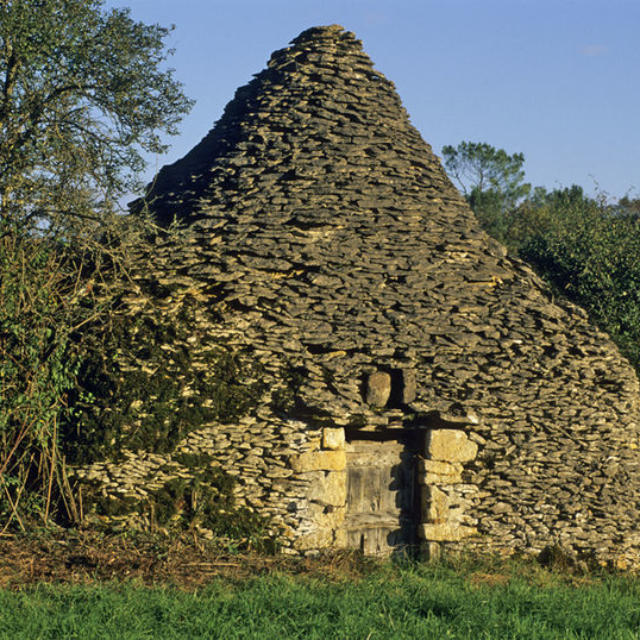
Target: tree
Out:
[82,95]
[490,179]
[590,253]
[477,166]
[628,206]
[542,213]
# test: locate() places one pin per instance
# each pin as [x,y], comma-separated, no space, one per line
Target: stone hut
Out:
[421,386]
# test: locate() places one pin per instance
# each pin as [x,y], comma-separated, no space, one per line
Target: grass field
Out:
[390,601]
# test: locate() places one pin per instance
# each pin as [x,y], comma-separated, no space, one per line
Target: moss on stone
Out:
[205,500]
[138,388]
[285,398]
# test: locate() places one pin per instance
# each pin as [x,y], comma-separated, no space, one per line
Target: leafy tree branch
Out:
[78,81]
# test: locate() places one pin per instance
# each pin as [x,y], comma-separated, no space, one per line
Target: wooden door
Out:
[382,502]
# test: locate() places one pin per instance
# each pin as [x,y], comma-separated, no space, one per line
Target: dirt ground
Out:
[84,557]
[184,561]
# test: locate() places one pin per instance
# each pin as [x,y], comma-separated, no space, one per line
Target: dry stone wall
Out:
[333,248]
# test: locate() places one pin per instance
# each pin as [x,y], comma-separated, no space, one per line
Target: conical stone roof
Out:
[334,246]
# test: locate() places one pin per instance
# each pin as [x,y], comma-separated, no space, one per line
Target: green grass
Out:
[411,602]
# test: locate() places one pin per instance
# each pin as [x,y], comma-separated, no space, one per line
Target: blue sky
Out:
[558,80]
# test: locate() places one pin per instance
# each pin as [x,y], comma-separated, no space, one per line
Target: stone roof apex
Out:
[323,40]
[328,32]
[319,123]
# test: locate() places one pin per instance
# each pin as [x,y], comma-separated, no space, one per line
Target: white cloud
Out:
[593,50]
